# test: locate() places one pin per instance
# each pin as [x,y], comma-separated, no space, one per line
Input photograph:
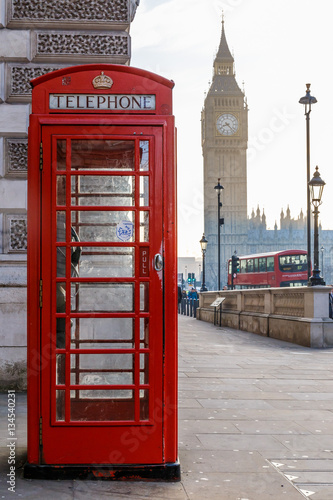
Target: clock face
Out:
[227,124]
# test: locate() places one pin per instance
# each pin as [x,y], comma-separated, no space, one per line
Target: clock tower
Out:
[224,145]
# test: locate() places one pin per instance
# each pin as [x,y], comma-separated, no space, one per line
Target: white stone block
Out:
[2,159]
[14,119]
[14,45]
[2,82]
[13,194]
[11,275]
[13,314]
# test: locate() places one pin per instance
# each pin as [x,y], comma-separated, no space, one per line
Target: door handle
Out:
[158,262]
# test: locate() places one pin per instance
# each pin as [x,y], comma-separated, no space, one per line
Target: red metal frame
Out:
[268,278]
[132,442]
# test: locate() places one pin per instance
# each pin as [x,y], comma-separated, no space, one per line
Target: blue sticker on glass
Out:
[125,230]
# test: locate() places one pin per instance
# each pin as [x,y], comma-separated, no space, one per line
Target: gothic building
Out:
[224,146]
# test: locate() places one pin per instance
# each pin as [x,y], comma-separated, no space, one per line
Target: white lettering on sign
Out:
[119,102]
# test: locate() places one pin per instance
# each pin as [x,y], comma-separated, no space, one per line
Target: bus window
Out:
[255,265]
[262,264]
[270,263]
[243,266]
[293,263]
[250,265]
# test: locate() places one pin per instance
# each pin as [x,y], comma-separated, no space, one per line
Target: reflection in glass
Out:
[144,404]
[144,226]
[102,297]
[103,226]
[61,322]
[96,154]
[106,378]
[61,190]
[144,297]
[144,333]
[144,191]
[144,155]
[61,226]
[99,333]
[107,262]
[60,406]
[61,262]
[60,369]
[61,154]
[144,367]
[104,190]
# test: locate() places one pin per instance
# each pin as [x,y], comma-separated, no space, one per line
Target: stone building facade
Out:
[224,146]
[37,37]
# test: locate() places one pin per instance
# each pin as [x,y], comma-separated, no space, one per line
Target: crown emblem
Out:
[102,81]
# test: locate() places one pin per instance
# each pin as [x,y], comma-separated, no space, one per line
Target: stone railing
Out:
[298,315]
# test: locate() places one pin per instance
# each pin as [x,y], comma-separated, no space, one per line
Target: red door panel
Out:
[102,314]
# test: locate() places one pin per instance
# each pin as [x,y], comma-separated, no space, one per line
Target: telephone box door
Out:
[102,308]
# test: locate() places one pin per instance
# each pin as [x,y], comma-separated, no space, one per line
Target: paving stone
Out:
[230,486]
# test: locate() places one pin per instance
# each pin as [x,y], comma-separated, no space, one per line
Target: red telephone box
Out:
[102,301]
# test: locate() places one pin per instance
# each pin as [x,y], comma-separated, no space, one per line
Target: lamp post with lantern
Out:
[308,100]
[316,186]
[220,222]
[203,244]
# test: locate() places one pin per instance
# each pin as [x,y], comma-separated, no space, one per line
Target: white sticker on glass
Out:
[125,230]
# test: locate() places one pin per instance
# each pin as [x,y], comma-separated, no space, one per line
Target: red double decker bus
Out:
[272,269]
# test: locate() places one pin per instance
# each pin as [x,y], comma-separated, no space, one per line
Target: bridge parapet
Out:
[298,315]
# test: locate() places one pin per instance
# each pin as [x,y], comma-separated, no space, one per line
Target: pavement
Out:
[255,423]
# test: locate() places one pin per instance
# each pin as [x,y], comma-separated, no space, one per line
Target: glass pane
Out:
[106,262]
[144,404]
[61,190]
[144,155]
[144,226]
[270,263]
[102,297]
[144,297]
[144,369]
[144,333]
[104,154]
[60,369]
[61,226]
[262,264]
[60,405]
[102,369]
[100,333]
[61,154]
[102,190]
[105,226]
[61,262]
[61,297]
[144,191]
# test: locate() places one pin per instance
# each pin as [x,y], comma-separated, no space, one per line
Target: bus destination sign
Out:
[114,102]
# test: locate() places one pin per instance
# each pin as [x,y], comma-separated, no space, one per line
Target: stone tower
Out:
[224,144]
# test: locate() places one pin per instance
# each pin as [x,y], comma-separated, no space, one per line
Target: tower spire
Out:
[223,53]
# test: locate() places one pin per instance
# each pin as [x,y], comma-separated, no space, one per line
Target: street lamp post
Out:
[322,260]
[316,186]
[203,244]
[308,100]
[220,222]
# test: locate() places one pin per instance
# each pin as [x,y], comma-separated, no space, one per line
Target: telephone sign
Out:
[102,320]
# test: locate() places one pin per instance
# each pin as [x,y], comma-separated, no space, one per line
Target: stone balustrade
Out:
[298,315]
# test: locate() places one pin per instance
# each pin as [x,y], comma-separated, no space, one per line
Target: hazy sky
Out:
[278,47]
